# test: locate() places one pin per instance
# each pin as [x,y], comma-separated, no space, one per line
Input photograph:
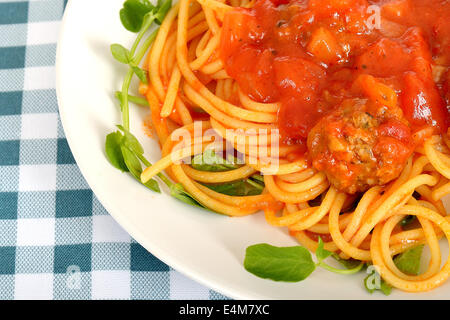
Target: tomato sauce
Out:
[311,56]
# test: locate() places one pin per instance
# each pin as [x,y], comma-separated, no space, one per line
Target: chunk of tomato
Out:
[384,58]
[253,70]
[239,27]
[422,104]
[395,129]
[300,82]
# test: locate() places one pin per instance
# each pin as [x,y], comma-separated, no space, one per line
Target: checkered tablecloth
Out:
[56,239]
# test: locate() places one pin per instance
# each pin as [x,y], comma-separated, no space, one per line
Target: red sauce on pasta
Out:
[309,54]
[331,61]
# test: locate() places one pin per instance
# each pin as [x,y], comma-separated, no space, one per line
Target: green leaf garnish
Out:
[407,221]
[347,263]
[258,178]
[121,54]
[122,151]
[321,253]
[113,151]
[385,288]
[240,188]
[289,264]
[140,73]
[152,184]
[210,161]
[177,191]
[122,148]
[132,162]
[133,13]
[130,141]
[409,261]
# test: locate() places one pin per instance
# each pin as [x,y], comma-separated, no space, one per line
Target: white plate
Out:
[205,246]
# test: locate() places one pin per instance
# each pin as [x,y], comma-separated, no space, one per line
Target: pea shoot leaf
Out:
[409,261]
[239,188]
[407,221]
[132,162]
[122,150]
[133,12]
[258,178]
[131,141]
[177,191]
[210,161]
[347,263]
[140,73]
[114,152]
[290,264]
[135,167]
[121,54]
[321,253]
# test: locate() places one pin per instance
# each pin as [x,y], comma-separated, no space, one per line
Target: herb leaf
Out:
[258,178]
[132,162]
[385,288]
[130,141]
[135,167]
[114,152]
[290,264]
[140,73]
[210,161]
[152,184]
[321,253]
[407,221]
[409,261]
[133,13]
[177,191]
[121,151]
[238,188]
[121,54]
[347,263]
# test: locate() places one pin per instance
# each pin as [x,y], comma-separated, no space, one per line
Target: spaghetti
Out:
[198,74]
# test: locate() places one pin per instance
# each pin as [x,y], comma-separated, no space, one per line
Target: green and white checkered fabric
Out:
[56,239]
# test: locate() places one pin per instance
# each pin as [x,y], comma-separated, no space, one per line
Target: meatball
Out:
[361,144]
